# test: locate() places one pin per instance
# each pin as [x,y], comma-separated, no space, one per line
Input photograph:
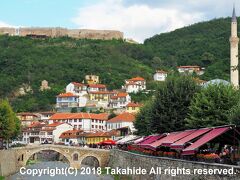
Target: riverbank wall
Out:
[171,169]
[8,165]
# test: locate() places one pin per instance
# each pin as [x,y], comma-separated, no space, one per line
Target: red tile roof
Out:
[75,133]
[27,114]
[78,84]
[61,116]
[137,79]
[68,94]
[97,85]
[124,117]
[55,124]
[36,125]
[120,94]
[132,104]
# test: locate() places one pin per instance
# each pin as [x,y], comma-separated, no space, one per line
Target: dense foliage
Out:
[169,107]
[212,106]
[9,123]
[25,60]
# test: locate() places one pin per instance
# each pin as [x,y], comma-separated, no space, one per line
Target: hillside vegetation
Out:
[62,60]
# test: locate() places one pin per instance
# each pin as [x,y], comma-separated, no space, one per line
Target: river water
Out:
[52,165]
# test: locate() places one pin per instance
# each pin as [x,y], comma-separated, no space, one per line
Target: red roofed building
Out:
[120,100]
[84,121]
[133,107]
[122,120]
[135,85]
[190,69]
[67,100]
[38,133]
[72,137]
[96,87]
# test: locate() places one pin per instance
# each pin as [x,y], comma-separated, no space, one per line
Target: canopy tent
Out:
[144,139]
[190,150]
[196,133]
[107,142]
[127,138]
[171,139]
[138,140]
[152,140]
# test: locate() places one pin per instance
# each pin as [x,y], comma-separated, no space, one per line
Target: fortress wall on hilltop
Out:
[60,32]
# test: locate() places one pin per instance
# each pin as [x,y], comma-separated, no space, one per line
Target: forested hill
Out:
[205,44]
[62,60]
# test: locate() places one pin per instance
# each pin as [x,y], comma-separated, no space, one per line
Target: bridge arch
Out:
[30,153]
[91,160]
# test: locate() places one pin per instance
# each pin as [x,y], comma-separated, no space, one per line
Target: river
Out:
[52,165]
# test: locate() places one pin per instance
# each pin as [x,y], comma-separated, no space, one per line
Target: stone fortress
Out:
[42,32]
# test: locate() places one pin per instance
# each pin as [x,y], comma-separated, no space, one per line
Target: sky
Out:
[137,19]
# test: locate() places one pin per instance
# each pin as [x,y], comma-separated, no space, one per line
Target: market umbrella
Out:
[107,142]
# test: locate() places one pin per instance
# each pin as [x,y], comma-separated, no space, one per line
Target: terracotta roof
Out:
[36,125]
[132,83]
[120,94]
[55,124]
[97,85]
[47,112]
[78,84]
[75,133]
[68,94]
[100,134]
[137,79]
[60,116]
[124,117]
[27,114]
[132,104]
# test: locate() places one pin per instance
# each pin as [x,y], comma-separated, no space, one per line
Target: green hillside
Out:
[62,60]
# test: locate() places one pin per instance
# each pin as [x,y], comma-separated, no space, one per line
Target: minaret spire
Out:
[234,17]
[234,40]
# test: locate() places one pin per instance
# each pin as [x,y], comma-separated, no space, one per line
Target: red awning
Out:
[180,144]
[155,144]
[144,139]
[203,140]
[150,140]
[167,142]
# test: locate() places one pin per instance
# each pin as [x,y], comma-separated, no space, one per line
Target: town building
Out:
[44,116]
[76,88]
[160,75]
[73,137]
[120,100]
[190,69]
[96,87]
[92,79]
[135,85]
[65,100]
[133,107]
[97,137]
[85,121]
[27,118]
[124,120]
[100,98]
[38,133]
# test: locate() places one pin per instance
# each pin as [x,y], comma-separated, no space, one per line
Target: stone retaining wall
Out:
[8,165]
[124,159]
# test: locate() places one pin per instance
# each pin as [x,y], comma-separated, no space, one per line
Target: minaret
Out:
[234,51]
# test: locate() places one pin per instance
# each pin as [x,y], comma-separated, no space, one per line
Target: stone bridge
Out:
[13,159]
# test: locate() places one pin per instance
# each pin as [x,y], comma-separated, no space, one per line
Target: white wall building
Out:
[122,120]
[135,85]
[120,100]
[160,75]
[84,121]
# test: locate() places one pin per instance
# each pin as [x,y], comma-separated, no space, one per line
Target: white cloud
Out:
[4,24]
[137,21]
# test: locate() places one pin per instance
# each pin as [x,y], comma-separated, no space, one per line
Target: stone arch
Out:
[96,160]
[29,153]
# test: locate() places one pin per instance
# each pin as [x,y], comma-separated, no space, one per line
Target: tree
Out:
[143,119]
[211,106]
[9,123]
[74,110]
[234,115]
[169,106]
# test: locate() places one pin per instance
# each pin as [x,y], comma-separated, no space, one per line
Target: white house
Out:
[38,133]
[190,69]
[84,121]
[96,87]
[160,75]
[120,100]
[76,88]
[135,85]
[122,120]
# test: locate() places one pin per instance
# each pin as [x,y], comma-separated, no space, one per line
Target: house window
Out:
[75,120]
